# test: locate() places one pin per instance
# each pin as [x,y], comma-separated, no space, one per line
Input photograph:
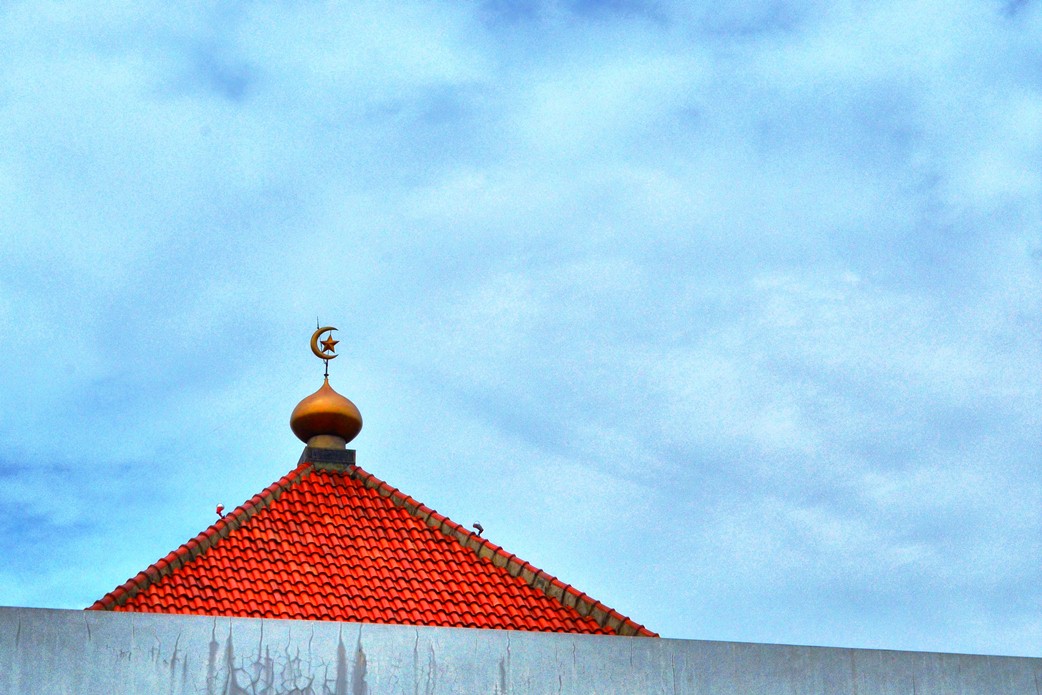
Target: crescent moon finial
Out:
[328,350]
[325,419]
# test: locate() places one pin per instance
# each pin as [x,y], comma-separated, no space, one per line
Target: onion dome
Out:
[325,419]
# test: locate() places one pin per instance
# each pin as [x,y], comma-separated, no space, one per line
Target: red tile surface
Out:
[343,545]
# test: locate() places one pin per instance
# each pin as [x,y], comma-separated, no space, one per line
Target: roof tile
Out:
[340,544]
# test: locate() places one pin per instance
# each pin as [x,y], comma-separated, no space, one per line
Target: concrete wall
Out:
[88,652]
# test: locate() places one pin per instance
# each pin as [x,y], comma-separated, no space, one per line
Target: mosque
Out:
[331,541]
[331,580]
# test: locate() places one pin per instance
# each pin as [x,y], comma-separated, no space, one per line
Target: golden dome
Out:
[325,419]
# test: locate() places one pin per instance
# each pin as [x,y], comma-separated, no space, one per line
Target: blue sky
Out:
[729,314]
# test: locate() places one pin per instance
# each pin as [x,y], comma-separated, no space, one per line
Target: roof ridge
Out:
[200,543]
[536,578]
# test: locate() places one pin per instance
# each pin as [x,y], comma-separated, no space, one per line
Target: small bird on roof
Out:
[479,527]
[220,510]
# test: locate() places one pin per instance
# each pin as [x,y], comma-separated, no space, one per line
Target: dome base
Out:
[327,441]
[328,459]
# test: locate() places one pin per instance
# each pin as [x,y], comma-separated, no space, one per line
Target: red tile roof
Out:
[334,542]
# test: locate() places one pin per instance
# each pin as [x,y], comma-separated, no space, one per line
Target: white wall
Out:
[87,652]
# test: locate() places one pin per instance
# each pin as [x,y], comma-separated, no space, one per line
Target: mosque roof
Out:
[330,541]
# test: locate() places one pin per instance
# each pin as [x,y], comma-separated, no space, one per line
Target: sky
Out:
[727,313]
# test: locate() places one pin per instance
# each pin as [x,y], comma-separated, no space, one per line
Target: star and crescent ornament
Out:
[328,349]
